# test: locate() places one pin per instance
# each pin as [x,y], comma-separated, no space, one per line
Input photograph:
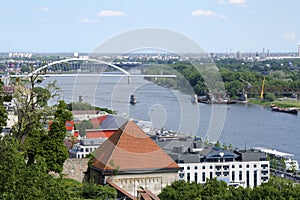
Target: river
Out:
[244,125]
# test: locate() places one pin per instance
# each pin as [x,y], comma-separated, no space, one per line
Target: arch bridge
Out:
[85,67]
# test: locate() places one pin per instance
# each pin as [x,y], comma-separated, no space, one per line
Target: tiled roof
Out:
[96,121]
[113,122]
[129,148]
[99,133]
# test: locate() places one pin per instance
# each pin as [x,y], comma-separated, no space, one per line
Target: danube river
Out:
[240,125]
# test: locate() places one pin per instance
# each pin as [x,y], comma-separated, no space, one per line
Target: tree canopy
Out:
[213,189]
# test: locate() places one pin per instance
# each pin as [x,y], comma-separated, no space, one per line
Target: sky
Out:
[216,25]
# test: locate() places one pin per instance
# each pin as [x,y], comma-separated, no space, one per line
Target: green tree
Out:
[22,181]
[33,117]
[269,96]
[52,147]
[85,124]
[93,191]
[3,112]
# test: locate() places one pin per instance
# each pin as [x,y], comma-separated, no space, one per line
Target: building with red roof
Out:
[131,159]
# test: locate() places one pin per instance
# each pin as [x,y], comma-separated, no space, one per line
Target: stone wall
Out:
[75,168]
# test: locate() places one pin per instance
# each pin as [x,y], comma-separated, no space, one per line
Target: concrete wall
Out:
[75,168]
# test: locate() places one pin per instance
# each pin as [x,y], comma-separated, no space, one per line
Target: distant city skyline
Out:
[216,25]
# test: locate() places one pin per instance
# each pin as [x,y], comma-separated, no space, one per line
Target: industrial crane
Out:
[248,87]
[262,88]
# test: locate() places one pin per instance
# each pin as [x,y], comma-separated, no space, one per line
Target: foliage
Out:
[52,147]
[213,189]
[22,181]
[280,75]
[269,97]
[87,106]
[93,191]
[34,115]
[85,124]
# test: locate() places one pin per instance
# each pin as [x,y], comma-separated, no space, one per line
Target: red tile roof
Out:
[99,133]
[129,148]
[96,121]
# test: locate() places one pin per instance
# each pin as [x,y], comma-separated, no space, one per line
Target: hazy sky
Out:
[216,25]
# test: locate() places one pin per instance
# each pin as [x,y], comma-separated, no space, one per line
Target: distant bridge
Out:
[85,67]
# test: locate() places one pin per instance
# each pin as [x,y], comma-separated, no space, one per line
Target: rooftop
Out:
[130,149]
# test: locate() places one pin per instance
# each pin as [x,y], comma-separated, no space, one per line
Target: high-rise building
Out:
[299,50]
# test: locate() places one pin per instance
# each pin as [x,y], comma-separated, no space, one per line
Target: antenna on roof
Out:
[245,146]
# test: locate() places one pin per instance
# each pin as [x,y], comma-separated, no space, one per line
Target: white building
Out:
[244,168]
[85,147]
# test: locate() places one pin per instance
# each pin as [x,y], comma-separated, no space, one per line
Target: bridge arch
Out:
[78,59]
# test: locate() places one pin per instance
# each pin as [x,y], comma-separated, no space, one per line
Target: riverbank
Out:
[279,103]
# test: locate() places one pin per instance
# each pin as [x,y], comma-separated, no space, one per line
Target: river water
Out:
[244,125]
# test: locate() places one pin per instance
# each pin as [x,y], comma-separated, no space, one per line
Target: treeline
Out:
[87,106]
[203,78]
[215,190]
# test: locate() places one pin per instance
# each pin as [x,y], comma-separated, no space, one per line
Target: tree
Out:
[22,181]
[93,191]
[85,124]
[269,96]
[3,112]
[33,117]
[52,147]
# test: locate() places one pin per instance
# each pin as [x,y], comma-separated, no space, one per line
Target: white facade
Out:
[81,151]
[236,173]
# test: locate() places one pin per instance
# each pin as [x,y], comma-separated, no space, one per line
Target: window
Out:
[233,176]
[203,176]
[254,166]
[210,167]
[247,166]
[181,175]
[240,166]
[195,167]
[240,175]
[203,167]
[264,172]
[188,177]
[255,178]
[188,168]
[87,150]
[248,179]
[196,177]
[210,175]
[233,166]
[264,166]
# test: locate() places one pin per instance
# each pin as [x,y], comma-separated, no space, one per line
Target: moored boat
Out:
[285,110]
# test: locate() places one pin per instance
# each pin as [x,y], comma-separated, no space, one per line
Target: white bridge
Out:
[85,67]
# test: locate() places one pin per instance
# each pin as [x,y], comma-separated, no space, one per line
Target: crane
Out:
[248,87]
[262,88]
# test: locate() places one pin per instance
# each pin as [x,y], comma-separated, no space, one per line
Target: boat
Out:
[280,160]
[132,100]
[284,110]
[208,99]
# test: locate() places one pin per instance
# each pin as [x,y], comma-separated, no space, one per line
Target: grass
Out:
[279,103]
